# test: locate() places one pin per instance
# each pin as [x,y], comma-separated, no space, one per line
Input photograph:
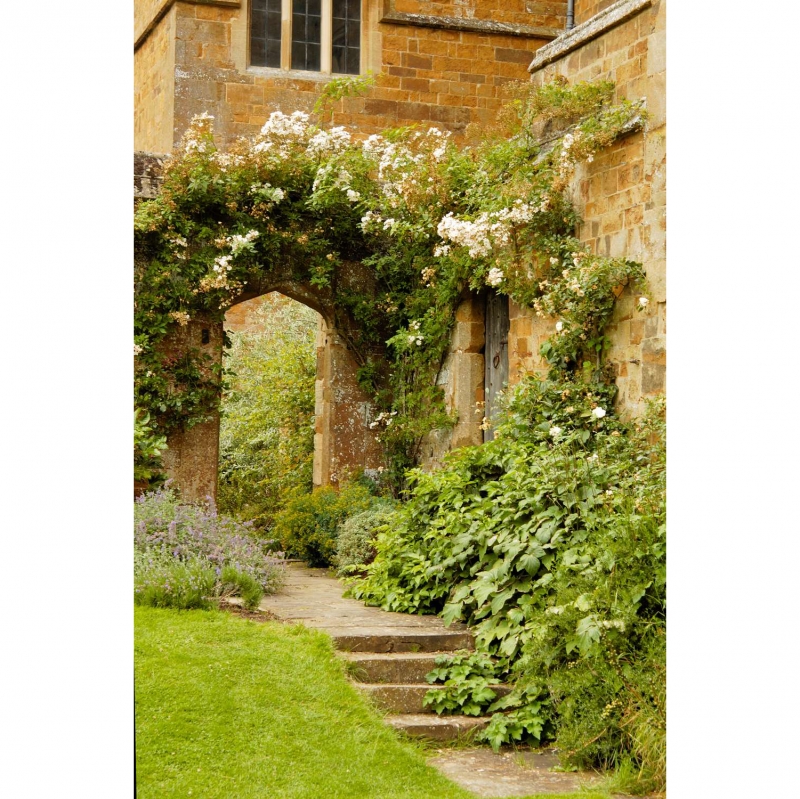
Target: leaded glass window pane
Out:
[265,33]
[306,24]
[347,37]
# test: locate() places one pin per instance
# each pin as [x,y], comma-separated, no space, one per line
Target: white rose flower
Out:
[643,301]
[598,413]
[495,276]
[555,431]
[559,326]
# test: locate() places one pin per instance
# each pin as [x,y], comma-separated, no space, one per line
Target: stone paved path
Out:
[390,645]
[314,597]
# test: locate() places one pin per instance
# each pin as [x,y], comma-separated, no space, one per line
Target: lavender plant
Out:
[190,556]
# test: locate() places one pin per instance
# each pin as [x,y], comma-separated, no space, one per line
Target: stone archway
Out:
[343,440]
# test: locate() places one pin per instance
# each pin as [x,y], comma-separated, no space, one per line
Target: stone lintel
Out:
[484,26]
[140,38]
[599,24]
[147,168]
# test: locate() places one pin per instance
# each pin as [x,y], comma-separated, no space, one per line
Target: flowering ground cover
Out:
[227,707]
[188,556]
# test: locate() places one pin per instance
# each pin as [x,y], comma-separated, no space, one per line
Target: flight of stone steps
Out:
[390,668]
[388,654]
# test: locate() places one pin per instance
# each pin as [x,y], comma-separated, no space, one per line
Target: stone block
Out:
[415,84]
[467,337]
[417,61]
[402,72]
[634,216]
[651,327]
[653,378]
[636,331]
[239,94]
[592,52]
[467,51]
[630,70]
[470,310]
[380,107]
[657,100]
[522,326]
[460,89]
[391,57]
[208,32]
[656,54]
[469,78]
[431,46]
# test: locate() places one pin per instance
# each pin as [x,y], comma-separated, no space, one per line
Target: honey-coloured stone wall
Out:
[586,9]
[621,196]
[154,87]
[431,72]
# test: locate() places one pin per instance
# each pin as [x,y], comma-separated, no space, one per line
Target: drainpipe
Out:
[570,14]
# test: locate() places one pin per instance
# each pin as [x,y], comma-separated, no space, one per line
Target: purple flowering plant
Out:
[190,555]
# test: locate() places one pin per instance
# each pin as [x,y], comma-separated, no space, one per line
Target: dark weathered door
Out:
[496,354]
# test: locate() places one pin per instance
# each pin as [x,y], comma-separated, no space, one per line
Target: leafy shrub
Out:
[550,542]
[466,678]
[355,545]
[267,424]
[147,447]
[308,526]
[188,556]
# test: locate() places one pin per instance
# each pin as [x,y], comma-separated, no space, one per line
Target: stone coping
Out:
[599,24]
[484,26]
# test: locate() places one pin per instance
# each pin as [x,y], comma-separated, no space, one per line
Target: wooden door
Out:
[495,355]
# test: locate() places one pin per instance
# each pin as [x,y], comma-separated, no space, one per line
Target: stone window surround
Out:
[370,43]
[600,23]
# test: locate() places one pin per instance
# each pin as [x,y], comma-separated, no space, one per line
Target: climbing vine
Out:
[430,219]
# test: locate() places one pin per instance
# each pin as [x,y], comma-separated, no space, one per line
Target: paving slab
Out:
[313,597]
[506,774]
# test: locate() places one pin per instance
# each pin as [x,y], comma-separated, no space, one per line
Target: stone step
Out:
[438,728]
[408,698]
[390,667]
[401,640]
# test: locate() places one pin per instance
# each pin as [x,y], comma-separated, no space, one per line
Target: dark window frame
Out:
[306,51]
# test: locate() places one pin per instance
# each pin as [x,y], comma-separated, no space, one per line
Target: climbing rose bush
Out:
[428,217]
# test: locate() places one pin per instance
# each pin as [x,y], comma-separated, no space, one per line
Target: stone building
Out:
[443,63]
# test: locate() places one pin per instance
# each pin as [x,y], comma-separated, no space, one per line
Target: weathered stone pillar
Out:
[192,456]
[343,440]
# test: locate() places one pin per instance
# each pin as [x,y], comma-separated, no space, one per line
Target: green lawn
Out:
[231,709]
